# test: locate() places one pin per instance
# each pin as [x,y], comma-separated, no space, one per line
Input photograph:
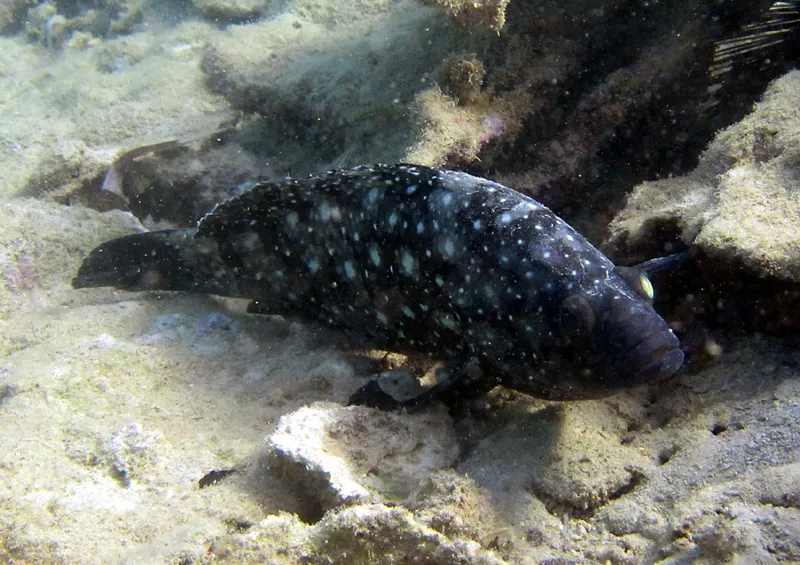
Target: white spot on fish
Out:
[449,247]
[372,196]
[349,271]
[375,255]
[409,312]
[408,264]
[324,212]
[447,320]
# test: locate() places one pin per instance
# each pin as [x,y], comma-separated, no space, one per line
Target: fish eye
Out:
[638,281]
[646,286]
[577,317]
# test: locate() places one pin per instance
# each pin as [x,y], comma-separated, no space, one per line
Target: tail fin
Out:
[159,260]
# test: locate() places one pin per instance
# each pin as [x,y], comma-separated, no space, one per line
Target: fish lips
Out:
[640,344]
[655,357]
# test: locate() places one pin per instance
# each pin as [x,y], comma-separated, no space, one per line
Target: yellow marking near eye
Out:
[647,286]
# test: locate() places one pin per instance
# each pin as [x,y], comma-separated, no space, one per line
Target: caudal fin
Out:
[159,260]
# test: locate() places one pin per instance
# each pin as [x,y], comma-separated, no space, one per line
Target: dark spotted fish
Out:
[439,262]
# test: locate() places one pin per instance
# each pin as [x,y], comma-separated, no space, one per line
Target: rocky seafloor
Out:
[172,428]
[116,405]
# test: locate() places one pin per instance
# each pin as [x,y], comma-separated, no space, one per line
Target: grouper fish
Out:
[459,268]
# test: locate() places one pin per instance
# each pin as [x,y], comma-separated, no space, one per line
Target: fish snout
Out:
[656,357]
[644,348]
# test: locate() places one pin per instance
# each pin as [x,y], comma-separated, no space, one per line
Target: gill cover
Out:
[577,318]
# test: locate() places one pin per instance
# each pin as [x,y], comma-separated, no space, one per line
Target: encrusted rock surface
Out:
[348,455]
[490,14]
[363,534]
[343,93]
[742,202]
[41,243]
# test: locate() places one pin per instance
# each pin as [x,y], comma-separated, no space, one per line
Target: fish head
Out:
[607,338]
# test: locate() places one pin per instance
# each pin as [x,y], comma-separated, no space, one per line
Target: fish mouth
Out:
[655,357]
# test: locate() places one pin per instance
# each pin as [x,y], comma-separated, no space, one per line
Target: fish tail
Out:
[158,260]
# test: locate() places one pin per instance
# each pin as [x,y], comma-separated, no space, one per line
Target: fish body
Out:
[440,262]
